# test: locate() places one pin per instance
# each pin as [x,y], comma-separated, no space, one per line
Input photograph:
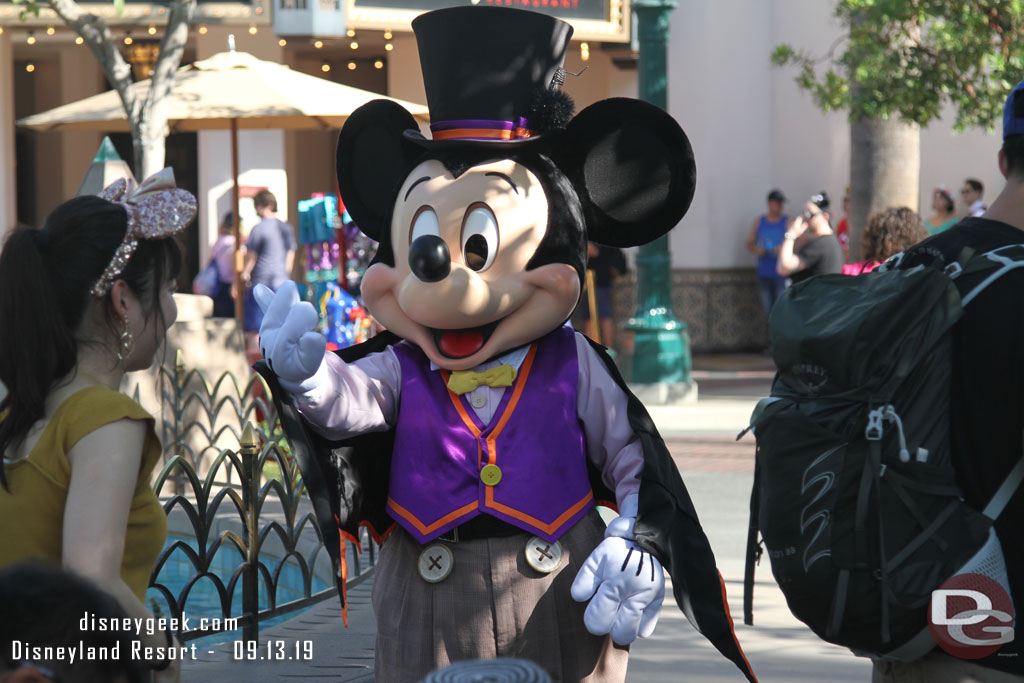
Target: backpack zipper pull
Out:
[874,430]
[892,416]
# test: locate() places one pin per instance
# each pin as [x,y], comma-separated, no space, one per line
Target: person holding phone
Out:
[809,247]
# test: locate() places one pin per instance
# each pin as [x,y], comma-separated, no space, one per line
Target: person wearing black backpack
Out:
[987,397]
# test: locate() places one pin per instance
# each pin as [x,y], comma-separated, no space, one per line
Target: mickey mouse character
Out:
[479,432]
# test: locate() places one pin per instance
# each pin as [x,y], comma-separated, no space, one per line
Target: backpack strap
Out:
[1005,492]
[754,549]
[764,409]
[1003,260]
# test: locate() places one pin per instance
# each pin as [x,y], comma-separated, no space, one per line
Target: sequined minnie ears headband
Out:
[156,209]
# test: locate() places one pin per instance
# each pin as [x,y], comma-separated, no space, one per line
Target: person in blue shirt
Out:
[764,241]
[269,257]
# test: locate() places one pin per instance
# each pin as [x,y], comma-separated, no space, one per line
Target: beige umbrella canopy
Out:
[228,91]
[229,86]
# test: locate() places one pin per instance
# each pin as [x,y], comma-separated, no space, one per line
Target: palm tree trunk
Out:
[885,165]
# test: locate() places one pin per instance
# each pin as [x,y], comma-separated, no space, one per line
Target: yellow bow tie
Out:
[465,381]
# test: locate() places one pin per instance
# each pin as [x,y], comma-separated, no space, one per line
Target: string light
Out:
[128,39]
[252,29]
[151,30]
[325,67]
[79,40]
[282,42]
[31,40]
[30,68]
[354,45]
[350,33]
[318,44]
[50,30]
[378,64]
[203,30]
[387,35]
[584,51]
[351,66]
[389,47]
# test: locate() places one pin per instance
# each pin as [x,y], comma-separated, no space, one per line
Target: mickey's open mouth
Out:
[465,342]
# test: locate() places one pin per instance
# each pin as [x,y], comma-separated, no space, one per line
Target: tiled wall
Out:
[720,307]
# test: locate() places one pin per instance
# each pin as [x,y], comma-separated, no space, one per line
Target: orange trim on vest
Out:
[533,521]
[425,529]
[461,409]
[492,458]
[492,438]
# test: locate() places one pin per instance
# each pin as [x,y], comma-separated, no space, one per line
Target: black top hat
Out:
[486,70]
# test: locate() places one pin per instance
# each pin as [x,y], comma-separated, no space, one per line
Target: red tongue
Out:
[460,344]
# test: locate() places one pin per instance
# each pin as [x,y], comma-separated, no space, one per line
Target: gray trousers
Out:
[493,604]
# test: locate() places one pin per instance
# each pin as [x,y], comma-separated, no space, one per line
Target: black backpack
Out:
[855,496]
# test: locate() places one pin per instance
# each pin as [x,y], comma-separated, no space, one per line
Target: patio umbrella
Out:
[228,91]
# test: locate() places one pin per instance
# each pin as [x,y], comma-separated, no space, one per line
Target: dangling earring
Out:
[127,343]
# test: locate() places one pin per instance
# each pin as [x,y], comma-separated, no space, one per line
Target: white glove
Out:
[289,342]
[624,583]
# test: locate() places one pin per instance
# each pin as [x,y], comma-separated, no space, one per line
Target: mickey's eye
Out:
[424,223]
[479,237]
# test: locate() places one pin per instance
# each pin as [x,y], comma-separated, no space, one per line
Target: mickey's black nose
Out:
[429,258]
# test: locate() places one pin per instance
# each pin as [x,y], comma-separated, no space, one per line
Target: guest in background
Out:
[218,278]
[608,264]
[809,247]
[42,610]
[843,227]
[943,211]
[269,257]
[971,193]
[764,241]
[888,233]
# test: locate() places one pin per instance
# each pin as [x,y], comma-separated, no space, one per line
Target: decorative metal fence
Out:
[225,492]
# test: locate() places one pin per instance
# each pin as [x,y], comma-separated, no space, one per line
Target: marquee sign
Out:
[597,20]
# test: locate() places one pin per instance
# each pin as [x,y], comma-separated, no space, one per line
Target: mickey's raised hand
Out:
[289,342]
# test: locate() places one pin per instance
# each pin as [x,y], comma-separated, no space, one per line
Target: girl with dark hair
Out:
[83,301]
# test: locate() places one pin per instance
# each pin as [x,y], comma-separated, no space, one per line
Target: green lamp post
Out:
[661,345]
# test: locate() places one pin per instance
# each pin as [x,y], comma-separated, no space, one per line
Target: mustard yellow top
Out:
[32,514]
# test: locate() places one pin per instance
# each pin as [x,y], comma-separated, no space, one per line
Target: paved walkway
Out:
[314,646]
[718,471]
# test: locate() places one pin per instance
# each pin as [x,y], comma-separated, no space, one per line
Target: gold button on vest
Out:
[490,475]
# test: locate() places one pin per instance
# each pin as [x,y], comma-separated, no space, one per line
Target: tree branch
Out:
[172,47]
[916,43]
[97,36]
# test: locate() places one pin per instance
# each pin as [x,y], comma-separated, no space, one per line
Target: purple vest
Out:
[535,438]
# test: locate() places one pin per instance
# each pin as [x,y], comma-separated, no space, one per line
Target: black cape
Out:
[348,481]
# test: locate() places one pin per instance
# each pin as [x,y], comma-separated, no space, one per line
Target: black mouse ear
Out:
[633,168]
[372,161]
